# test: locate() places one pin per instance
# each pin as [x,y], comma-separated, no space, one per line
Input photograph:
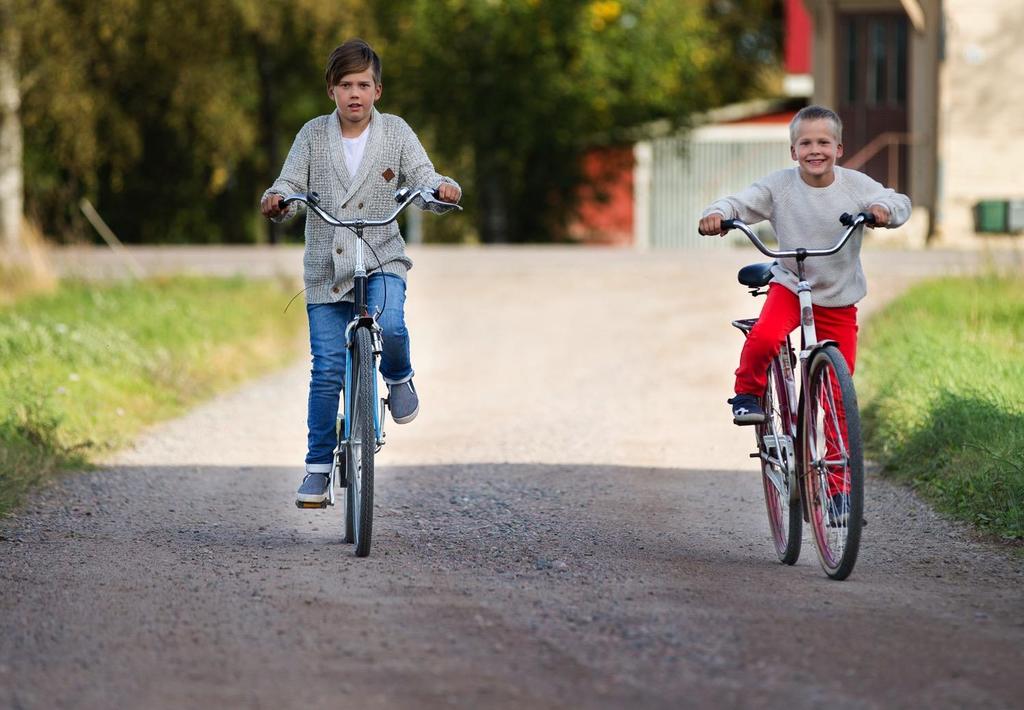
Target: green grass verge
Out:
[82,370]
[941,374]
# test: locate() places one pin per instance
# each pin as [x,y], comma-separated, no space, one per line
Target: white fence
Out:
[677,177]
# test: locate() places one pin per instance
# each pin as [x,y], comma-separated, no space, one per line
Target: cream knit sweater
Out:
[316,163]
[805,216]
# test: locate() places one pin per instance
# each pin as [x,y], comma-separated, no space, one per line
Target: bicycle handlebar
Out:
[422,197]
[851,223]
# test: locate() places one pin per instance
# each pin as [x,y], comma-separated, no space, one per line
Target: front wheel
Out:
[833,462]
[775,440]
[362,443]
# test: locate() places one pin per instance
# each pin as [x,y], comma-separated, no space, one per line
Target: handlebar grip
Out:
[728,224]
[847,219]
[312,198]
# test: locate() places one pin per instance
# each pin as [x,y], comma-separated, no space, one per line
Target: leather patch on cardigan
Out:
[388,174]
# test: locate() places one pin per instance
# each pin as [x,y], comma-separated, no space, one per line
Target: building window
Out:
[900,78]
[878,74]
[851,73]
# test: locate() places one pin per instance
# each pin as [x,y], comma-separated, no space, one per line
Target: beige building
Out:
[932,96]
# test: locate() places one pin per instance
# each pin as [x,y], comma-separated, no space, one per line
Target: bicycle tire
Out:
[785,519]
[362,444]
[833,461]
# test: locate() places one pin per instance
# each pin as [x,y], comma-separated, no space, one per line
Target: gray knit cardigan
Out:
[316,163]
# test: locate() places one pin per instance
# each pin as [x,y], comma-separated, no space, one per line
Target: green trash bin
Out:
[991,216]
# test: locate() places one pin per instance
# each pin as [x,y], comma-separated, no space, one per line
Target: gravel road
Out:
[572,521]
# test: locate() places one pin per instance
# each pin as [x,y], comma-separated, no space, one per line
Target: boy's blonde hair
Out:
[816,113]
[353,56]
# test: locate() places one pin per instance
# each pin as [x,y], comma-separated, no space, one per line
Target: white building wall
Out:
[981,117]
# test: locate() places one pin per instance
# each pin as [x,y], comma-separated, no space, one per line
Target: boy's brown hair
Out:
[815,113]
[353,56]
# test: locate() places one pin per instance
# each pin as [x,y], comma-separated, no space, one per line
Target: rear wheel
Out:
[362,444]
[775,444]
[833,462]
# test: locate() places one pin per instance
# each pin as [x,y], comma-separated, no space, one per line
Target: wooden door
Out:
[873,84]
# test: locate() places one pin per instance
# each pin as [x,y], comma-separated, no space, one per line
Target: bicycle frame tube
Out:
[346,394]
[803,292]
[359,277]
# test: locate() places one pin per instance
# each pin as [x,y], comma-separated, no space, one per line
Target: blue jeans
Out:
[327,322]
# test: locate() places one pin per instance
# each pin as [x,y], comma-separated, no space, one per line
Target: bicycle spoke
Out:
[774,443]
[832,411]
[355,447]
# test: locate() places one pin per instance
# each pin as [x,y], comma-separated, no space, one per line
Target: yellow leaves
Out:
[218,180]
[603,13]
[701,57]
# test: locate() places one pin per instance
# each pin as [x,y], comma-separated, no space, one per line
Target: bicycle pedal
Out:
[304,504]
[755,455]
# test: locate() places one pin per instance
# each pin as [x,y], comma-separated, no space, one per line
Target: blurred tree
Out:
[172,117]
[11,177]
[513,91]
[166,115]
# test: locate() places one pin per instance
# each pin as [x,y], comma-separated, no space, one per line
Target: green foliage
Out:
[167,116]
[942,370]
[172,118]
[82,370]
[517,90]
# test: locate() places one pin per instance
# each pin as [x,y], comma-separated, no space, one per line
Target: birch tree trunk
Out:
[11,180]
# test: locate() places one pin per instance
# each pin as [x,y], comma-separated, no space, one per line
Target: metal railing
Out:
[890,141]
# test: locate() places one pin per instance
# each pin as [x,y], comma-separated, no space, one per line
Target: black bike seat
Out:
[756,275]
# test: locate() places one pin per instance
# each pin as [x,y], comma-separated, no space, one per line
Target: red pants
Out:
[780,315]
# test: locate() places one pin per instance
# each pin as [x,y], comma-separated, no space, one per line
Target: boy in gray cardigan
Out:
[803,205]
[355,158]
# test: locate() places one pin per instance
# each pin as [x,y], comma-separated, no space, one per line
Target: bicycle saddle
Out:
[756,275]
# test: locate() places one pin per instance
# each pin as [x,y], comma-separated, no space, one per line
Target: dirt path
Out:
[572,521]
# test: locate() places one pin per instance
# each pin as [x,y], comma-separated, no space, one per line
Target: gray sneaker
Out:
[313,491]
[404,402]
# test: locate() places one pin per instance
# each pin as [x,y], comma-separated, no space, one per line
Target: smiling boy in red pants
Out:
[803,205]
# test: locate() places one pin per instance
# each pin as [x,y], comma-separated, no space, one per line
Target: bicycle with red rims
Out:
[809,445]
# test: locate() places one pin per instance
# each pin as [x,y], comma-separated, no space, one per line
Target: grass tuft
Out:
[942,376]
[84,369]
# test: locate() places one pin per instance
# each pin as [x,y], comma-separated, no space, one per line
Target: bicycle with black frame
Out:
[360,433]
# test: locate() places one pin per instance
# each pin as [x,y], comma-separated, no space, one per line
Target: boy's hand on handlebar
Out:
[449,193]
[711,225]
[881,215]
[270,206]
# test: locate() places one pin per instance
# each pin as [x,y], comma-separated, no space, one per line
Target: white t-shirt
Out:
[354,148]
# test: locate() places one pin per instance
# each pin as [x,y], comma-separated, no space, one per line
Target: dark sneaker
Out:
[313,491]
[838,510]
[746,410]
[404,402]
